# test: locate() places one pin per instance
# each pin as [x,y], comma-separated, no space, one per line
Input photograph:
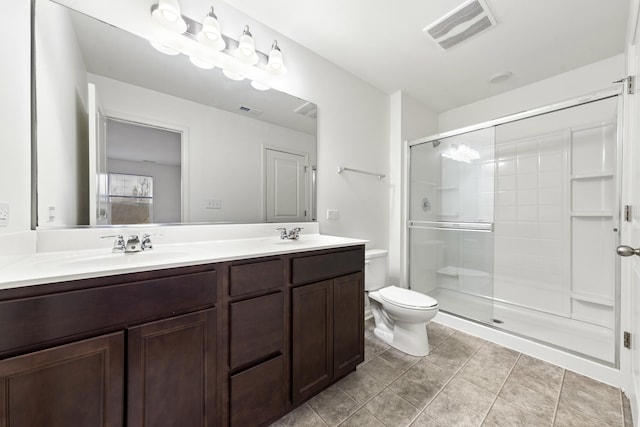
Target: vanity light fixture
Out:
[246,51]
[275,65]
[167,14]
[210,35]
[207,47]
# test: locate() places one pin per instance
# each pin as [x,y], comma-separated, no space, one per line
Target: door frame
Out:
[307,174]
[183,130]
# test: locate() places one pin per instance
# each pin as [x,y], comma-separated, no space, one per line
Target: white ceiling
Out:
[382,42]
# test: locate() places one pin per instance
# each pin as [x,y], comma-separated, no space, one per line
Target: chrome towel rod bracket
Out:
[377,175]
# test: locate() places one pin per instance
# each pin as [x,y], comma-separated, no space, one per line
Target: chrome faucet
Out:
[119,245]
[132,244]
[293,234]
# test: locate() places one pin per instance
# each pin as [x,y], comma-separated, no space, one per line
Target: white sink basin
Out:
[123,259]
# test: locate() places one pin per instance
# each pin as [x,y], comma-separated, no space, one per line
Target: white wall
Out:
[211,137]
[15,116]
[572,84]
[62,93]
[409,120]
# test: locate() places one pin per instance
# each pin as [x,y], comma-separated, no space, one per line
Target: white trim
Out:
[183,130]
[606,93]
[560,358]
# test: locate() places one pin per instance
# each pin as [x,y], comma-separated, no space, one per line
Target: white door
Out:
[631,229]
[98,178]
[285,186]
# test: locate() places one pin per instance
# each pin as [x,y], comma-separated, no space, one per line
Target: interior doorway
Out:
[286,195]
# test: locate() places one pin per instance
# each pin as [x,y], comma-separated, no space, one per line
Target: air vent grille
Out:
[307,109]
[462,23]
[250,111]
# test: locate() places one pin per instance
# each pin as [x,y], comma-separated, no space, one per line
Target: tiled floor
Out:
[464,381]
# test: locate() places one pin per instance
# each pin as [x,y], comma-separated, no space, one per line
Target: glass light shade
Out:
[167,14]
[246,45]
[211,28]
[259,86]
[202,63]
[210,34]
[164,49]
[275,65]
[169,9]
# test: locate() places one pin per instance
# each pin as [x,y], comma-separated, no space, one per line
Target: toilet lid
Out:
[407,298]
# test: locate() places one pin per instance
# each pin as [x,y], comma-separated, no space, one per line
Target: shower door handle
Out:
[624,250]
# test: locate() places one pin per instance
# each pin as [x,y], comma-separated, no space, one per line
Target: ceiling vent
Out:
[307,109]
[462,23]
[250,111]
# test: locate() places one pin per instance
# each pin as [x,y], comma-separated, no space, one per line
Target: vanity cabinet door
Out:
[78,384]
[172,372]
[348,323]
[312,339]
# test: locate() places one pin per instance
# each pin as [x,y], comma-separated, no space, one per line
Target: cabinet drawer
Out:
[256,329]
[254,277]
[258,394]
[325,266]
[36,320]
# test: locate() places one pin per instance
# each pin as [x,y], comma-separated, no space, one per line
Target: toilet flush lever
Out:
[624,250]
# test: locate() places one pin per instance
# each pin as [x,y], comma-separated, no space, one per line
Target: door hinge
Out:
[627,213]
[305,213]
[630,83]
[627,340]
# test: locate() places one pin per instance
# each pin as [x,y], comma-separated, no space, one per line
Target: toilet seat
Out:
[407,298]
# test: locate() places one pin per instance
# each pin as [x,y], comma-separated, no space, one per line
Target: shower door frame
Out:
[574,102]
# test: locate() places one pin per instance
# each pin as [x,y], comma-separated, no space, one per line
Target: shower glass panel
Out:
[451,222]
[556,228]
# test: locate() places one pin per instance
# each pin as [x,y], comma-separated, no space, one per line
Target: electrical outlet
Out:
[52,213]
[333,214]
[4,214]
[213,204]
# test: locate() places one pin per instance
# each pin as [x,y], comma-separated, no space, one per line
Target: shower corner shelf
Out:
[594,175]
[594,214]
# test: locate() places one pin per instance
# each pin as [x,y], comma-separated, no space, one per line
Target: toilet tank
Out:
[375,272]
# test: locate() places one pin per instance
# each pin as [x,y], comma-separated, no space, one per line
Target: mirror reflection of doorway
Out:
[285,185]
[139,150]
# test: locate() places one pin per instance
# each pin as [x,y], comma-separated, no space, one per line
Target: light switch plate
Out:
[4,214]
[213,204]
[333,214]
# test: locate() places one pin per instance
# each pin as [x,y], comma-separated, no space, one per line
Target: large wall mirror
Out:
[128,135]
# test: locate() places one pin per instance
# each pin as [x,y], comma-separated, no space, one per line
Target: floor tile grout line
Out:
[500,389]
[555,412]
[451,378]
[420,411]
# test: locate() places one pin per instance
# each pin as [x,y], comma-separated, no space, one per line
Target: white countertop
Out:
[49,267]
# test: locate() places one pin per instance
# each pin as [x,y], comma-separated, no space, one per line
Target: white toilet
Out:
[401,315]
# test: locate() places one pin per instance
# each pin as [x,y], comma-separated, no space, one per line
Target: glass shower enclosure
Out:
[515,225]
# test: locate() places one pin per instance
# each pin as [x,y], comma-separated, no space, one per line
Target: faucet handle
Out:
[294,233]
[283,233]
[146,241]
[119,245]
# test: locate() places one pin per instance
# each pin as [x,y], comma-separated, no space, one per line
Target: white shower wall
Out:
[555,216]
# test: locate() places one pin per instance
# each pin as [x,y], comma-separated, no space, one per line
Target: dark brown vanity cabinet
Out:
[77,384]
[136,349]
[236,343]
[257,386]
[327,320]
